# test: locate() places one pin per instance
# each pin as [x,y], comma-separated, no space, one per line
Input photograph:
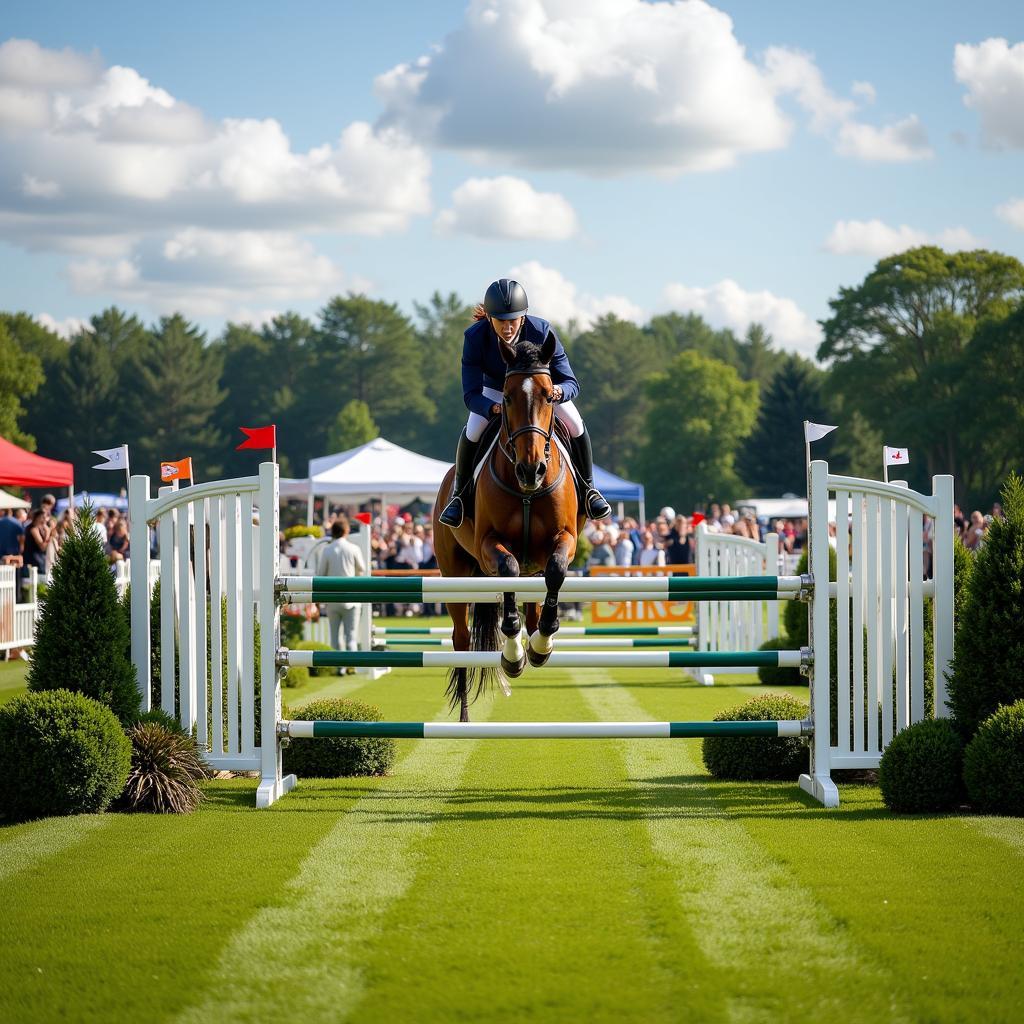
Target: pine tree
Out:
[352,427]
[771,461]
[176,398]
[82,635]
[989,638]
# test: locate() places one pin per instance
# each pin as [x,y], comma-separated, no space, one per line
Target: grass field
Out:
[517,880]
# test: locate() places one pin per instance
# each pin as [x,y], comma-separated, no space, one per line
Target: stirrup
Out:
[597,506]
[453,513]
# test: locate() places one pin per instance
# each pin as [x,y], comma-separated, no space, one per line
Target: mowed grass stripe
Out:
[538,897]
[37,841]
[303,959]
[1007,830]
[784,956]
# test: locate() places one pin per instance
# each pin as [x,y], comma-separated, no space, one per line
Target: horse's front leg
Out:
[495,554]
[541,643]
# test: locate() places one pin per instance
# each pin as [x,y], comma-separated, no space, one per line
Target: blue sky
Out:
[236,160]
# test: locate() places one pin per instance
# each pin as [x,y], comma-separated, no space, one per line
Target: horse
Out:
[524,521]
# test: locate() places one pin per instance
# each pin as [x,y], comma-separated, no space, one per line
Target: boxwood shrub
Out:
[994,762]
[60,753]
[759,757]
[338,756]
[314,645]
[922,767]
[772,675]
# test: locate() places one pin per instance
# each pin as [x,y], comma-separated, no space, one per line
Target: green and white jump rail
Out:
[559,659]
[467,589]
[584,643]
[541,730]
[627,631]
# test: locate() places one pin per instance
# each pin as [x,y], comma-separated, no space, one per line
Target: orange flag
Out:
[176,470]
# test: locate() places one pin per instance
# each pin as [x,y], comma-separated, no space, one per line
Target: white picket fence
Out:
[17,618]
[736,625]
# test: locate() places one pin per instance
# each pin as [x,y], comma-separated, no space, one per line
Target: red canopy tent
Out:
[20,468]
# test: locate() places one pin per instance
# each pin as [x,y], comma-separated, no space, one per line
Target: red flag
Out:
[363,517]
[698,518]
[258,437]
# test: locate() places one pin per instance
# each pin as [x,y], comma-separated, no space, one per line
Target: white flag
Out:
[896,456]
[816,431]
[117,458]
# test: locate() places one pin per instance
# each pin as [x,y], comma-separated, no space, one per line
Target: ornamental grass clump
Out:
[921,769]
[759,757]
[60,753]
[166,768]
[994,762]
[338,756]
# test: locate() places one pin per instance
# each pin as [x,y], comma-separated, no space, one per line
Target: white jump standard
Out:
[219,584]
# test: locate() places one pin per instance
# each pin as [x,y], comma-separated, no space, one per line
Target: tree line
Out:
[927,352]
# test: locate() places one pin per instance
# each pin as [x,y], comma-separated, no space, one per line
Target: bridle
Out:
[508,445]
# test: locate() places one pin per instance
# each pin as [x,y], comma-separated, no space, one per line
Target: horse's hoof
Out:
[537,660]
[513,669]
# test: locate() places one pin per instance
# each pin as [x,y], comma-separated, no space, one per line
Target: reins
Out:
[508,448]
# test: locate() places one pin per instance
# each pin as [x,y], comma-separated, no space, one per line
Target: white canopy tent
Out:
[375,470]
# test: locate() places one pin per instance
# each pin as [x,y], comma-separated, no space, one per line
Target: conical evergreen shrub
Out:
[82,636]
[988,660]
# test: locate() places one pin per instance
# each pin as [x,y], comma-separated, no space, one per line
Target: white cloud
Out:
[600,87]
[875,238]
[213,273]
[791,72]
[993,72]
[726,304]
[1012,211]
[507,208]
[67,327]
[126,158]
[33,186]
[555,298]
[892,143]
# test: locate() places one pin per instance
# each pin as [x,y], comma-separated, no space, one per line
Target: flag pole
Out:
[885,463]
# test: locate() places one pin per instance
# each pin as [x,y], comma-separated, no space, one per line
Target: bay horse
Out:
[524,521]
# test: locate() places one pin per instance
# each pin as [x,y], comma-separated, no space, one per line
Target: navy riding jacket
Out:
[482,365]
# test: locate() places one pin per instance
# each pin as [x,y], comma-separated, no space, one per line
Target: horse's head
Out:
[528,409]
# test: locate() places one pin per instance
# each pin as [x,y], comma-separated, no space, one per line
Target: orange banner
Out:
[661,612]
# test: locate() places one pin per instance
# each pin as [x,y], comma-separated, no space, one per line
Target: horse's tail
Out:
[484,636]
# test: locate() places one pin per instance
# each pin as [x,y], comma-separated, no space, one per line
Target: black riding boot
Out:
[583,457]
[465,456]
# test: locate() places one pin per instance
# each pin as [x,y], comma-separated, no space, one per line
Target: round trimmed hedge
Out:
[774,675]
[60,753]
[314,645]
[338,756]
[759,757]
[921,769]
[994,762]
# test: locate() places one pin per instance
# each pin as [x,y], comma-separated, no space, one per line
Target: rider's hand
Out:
[496,409]
[556,393]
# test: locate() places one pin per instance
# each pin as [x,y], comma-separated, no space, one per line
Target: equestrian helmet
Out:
[505,299]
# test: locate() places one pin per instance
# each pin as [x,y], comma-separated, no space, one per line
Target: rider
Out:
[483,375]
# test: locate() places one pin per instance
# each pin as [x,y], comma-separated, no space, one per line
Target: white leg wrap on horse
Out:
[541,644]
[513,649]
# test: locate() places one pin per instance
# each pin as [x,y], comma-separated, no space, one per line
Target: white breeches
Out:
[565,411]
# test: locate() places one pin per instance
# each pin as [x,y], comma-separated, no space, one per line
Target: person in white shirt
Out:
[650,553]
[341,558]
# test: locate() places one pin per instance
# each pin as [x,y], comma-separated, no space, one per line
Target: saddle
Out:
[489,439]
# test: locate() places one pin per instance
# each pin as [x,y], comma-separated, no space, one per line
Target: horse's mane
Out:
[528,356]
